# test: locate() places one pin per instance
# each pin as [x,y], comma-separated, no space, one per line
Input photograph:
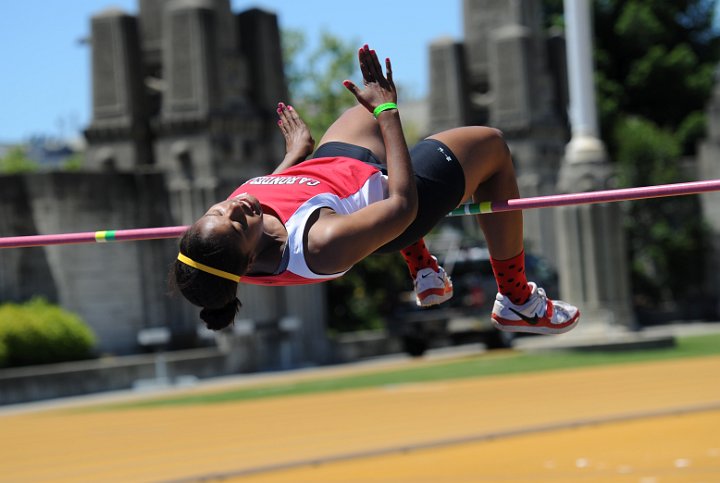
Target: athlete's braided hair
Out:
[217,296]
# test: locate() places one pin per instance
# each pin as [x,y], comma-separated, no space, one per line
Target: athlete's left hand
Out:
[379,87]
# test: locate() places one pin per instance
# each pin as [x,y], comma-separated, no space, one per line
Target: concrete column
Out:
[709,168]
[118,136]
[448,89]
[592,258]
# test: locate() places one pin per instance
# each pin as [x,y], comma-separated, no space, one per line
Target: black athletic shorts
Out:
[439,177]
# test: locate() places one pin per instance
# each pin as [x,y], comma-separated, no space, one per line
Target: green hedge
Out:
[38,332]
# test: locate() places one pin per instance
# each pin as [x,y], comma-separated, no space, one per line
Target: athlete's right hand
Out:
[379,88]
[298,138]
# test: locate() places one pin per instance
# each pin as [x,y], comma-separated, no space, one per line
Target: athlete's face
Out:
[238,220]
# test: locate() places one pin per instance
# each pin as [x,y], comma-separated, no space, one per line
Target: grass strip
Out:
[481,365]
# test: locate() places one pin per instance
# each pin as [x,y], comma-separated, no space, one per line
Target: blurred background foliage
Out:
[655,69]
[315,83]
[17,161]
[37,332]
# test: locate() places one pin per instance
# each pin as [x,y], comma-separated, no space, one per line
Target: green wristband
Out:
[384,107]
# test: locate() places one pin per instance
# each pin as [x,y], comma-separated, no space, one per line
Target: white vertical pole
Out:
[578,31]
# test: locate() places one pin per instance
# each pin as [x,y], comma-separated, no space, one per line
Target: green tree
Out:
[654,64]
[315,77]
[369,293]
[38,332]
[74,162]
[315,80]
[16,161]
[655,59]
[667,239]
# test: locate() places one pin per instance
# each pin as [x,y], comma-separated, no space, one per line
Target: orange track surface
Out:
[653,423]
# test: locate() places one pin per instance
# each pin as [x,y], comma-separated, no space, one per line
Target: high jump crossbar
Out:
[484,207]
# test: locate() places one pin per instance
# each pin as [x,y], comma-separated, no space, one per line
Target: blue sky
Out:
[45,74]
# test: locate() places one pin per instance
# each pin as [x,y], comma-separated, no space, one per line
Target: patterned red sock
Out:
[510,278]
[417,256]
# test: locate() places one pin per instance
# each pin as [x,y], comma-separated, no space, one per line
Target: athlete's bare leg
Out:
[489,176]
[357,126]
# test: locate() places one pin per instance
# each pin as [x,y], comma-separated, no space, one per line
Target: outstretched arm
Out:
[337,242]
[299,143]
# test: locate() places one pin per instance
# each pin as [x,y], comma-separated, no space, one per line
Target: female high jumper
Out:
[311,220]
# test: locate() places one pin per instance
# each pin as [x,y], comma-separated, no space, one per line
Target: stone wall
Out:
[117,288]
[121,288]
[234,354]
[39,383]
[23,273]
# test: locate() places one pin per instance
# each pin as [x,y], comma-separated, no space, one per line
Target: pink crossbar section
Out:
[89,237]
[606,196]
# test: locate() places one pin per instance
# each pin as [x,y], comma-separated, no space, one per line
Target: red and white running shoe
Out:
[432,288]
[539,315]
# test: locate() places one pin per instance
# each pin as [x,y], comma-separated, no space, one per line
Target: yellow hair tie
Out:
[214,271]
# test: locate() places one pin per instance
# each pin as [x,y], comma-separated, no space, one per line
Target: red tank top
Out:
[342,184]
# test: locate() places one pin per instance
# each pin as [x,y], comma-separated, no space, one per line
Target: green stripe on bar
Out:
[464,209]
[104,236]
[472,209]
